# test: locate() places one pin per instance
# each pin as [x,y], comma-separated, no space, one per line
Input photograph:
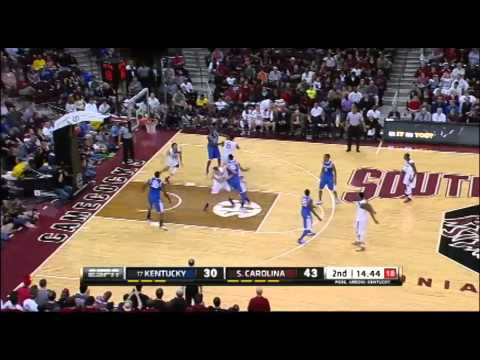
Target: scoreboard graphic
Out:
[247,276]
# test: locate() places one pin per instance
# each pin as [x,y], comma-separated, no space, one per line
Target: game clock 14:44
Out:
[361,273]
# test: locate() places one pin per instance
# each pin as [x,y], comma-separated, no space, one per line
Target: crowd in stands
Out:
[447,87]
[32,81]
[38,298]
[287,91]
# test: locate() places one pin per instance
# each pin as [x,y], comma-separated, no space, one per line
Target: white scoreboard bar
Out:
[362,273]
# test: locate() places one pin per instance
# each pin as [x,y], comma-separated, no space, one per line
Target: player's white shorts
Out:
[173,166]
[360,230]
[409,185]
[219,186]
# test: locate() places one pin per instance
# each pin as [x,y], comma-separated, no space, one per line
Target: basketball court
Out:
[266,235]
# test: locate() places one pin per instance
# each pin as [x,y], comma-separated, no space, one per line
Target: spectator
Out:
[104,108]
[439,102]
[221,104]
[42,295]
[101,302]
[234,308]
[187,87]
[69,305]
[439,116]
[70,106]
[262,76]
[90,305]
[38,62]
[307,76]
[24,292]
[474,57]
[30,305]
[178,304]
[79,103]
[179,101]
[458,72]
[199,306]
[413,106]
[127,306]
[274,77]
[63,298]
[259,303]
[311,94]
[91,106]
[158,304]
[153,103]
[424,115]
[355,96]
[465,107]
[81,296]
[216,305]
[144,75]
[12,303]
[202,101]
[62,189]
[138,299]
[298,122]
[394,114]
[51,305]
[47,130]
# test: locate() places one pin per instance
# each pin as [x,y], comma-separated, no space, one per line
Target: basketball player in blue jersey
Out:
[236,183]
[328,178]
[156,187]
[212,147]
[307,210]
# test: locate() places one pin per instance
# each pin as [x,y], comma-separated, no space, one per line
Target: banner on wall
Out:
[431,133]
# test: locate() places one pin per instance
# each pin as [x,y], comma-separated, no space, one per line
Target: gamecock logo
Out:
[460,239]
[225,209]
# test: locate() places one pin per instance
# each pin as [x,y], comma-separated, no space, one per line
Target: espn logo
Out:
[103,273]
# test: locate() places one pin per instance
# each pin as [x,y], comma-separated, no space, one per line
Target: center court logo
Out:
[225,209]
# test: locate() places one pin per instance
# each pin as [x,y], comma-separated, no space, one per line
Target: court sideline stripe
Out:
[96,212]
[379,147]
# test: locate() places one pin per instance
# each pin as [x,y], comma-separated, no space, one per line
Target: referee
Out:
[354,127]
[126,136]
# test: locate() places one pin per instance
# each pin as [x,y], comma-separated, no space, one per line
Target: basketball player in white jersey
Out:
[172,161]
[219,183]
[229,147]
[410,177]
[361,221]
[246,120]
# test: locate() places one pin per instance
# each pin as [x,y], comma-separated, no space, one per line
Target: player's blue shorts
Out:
[235,184]
[156,203]
[213,152]
[328,182]
[307,222]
